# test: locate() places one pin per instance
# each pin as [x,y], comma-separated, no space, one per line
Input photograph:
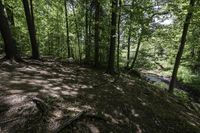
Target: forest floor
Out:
[50,96]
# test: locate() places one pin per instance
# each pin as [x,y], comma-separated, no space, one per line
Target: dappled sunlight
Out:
[70,90]
[13,99]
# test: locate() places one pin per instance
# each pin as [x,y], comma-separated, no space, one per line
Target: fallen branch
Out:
[69,122]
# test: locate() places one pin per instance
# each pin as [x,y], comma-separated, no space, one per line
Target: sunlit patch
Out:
[35,81]
[134,113]
[44,72]
[144,104]
[74,109]
[58,113]
[93,128]
[15,91]
[139,130]
[44,91]
[84,86]
[29,68]
[56,79]
[119,89]
[69,93]
[13,99]
[112,119]
[56,88]
[17,82]
[47,86]
[67,87]
[54,95]
[87,107]
[32,93]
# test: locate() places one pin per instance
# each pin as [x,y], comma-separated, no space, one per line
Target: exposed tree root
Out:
[9,120]
[69,122]
[41,105]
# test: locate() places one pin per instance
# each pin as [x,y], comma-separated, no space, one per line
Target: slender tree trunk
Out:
[10,48]
[89,37]
[86,32]
[118,25]
[129,36]
[10,15]
[67,28]
[182,45]
[111,61]
[96,36]
[31,28]
[129,47]
[137,50]
[77,34]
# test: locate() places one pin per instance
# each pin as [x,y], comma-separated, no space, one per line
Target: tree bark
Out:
[67,28]
[88,55]
[129,47]
[86,32]
[10,15]
[96,36]
[137,49]
[10,48]
[31,28]
[111,60]
[77,34]
[118,25]
[182,45]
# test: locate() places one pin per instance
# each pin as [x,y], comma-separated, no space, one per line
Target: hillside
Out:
[58,97]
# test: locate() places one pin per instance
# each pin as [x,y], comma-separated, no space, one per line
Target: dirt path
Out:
[112,104]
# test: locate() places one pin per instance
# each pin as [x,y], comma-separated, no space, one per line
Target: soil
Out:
[51,96]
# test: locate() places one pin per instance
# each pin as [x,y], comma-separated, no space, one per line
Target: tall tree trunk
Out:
[10,15]
[96,36]
[111,61]
[31,28]
[86,32]
[129,36]
[182,45]
[77,34]
[10,48]
[67,28]
[118,25]
[137,49]
[129,47]
[88,55]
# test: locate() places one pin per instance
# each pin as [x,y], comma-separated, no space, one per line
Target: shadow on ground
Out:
[111,104]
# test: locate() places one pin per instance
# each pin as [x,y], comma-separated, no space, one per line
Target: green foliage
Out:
[159,22]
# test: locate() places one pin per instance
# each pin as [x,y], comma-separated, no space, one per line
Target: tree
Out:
[10,48]
[111,60]
[31,27]
[138,47]
[86,32]
[118,32]
[182,45]
[96,36]
[77,32]
[67,28]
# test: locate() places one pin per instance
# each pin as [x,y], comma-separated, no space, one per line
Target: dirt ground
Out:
[42,97]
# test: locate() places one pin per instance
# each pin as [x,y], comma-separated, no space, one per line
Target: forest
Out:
[100,66]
